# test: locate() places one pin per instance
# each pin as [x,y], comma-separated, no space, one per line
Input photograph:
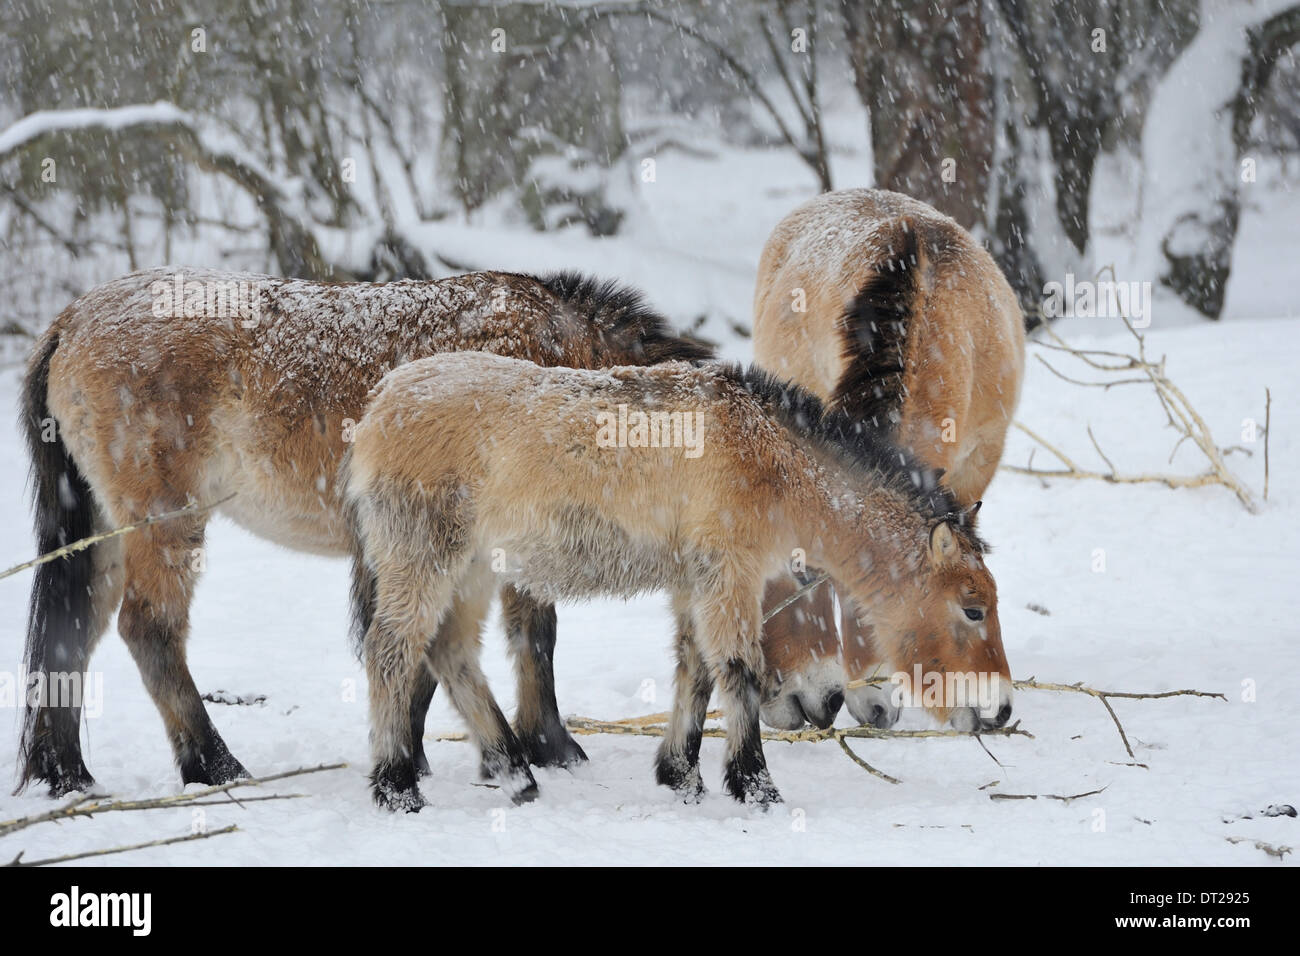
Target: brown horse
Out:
[159,390]
[892,313]
[695,480]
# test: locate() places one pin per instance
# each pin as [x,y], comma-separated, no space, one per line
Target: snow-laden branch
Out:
[43,122]
[292,237]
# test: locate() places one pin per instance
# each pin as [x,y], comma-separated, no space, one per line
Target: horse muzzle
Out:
[795,710]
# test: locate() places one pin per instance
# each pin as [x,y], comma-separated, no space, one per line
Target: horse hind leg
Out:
[453,659]
[677,764]
[530,634]
[364,598]
[412,597]
[160,574]
[422,690]
[72,625]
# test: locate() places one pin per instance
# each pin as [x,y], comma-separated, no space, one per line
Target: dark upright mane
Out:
[622,314]
[874,331]
[855,442]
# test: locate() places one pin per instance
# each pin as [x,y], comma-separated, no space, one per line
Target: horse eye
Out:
[974,614]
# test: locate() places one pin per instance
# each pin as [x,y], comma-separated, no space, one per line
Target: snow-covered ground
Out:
[1194,593]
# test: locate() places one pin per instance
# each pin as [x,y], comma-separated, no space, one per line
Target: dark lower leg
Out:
[530,632]
[746,773]
[72,602]
[393,661]
[421,697]
[505,760]
[157,645]
[677,764]
[51,741]
[52,745]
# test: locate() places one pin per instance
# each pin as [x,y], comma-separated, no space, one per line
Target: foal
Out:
[159,389]
[707,481]
[892,313]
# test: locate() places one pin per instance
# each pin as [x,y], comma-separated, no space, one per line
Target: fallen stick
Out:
[1104,695]
[91,804]
[18,860]
[655,725]
[1045,796]
[1270,849]
[1081,688]
[1268,421]
[1179,412]
[1073,470]
[588,726]
[843,742]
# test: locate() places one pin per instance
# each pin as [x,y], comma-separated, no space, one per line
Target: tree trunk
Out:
[919,68]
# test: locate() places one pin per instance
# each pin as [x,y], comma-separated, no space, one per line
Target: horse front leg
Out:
[730,625]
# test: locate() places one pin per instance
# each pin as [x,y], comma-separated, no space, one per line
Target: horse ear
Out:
[968,516]
[943,544]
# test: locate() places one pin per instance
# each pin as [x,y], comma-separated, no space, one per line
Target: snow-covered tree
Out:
[1195,144]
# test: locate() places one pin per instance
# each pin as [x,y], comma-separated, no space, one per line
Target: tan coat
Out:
[882,306]
[471,468]
[177,386]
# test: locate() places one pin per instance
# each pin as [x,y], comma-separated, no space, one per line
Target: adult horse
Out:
[161,389]
[891,312]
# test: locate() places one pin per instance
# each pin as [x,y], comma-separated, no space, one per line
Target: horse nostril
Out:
[820,717]
[833,703]
[1003,716]
[879,717]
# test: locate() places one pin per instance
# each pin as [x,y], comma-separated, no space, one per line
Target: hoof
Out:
[511,775]
[518,784]
[214,767]
[754,789]
[60,777]
[682,778]
[527,794]
[553,748]
[409,801]
[394,788]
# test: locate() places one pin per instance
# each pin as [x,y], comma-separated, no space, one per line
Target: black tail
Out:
[60,616]
[875,335]
[363,578]
[634,332]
